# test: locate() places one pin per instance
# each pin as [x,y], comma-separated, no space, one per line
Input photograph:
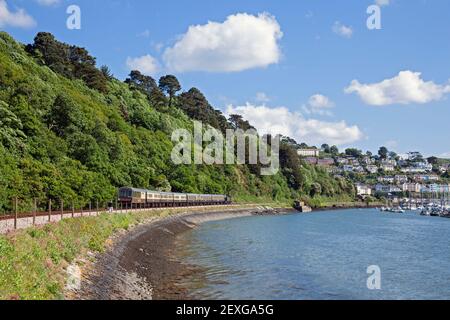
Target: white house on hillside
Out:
[412,187]
[308,152]
[388,167]
[363,190]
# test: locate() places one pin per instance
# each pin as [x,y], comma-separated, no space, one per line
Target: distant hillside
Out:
[69,130]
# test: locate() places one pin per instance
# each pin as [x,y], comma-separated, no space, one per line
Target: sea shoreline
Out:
[140,264]
[336,208]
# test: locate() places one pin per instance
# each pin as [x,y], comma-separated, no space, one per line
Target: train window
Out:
[125,193]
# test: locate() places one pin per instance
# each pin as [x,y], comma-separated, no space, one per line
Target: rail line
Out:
[11,222]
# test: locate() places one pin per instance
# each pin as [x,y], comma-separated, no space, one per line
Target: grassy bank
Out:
[33,261]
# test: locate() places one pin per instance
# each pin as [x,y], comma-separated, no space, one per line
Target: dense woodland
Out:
[70,130]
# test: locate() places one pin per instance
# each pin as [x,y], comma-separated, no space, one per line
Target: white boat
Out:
[392,210]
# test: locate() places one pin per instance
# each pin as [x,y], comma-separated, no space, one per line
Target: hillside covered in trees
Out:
[70,130]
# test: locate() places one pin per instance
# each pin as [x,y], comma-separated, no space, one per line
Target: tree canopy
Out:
[383,152]
[70,61]
[170,85]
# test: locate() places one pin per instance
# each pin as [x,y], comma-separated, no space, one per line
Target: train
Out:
[135,198]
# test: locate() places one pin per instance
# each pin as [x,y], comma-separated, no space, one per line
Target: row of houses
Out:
[347,163]
[413,187]
[400,179]
[320,162]
[415,164]
[423,168]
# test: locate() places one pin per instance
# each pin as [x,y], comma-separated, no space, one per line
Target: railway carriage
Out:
[132,197]
[167,199]
[153,198]
[193,199]
[180,199]
[139,198]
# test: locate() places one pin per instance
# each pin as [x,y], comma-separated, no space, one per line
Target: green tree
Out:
[170,85]
[64,116]
[143,83]
[107,72]
[11,134]
[197,107]
[69,61]
[238,122]
[291,142]
[222,121]
[158,99]
[393,155]
[353,152]
[326,148]
[334,150]
[433,160]
[291,166]
[51,53]
[383,152]
[316,189]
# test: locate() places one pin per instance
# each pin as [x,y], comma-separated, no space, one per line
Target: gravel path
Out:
[7,225]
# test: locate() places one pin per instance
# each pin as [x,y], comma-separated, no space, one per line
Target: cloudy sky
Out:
[309,69]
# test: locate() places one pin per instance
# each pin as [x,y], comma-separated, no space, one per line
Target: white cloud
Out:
[241,42]
[262,97]
[382,3]
[48,2]
[319,104]
[144,34]
[14,19]
[145,64]
[391,144]
[342,30]
[445,155]
[406,88]
[282,121]
[157,46]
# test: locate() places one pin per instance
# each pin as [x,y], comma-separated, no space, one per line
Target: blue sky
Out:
[284,65]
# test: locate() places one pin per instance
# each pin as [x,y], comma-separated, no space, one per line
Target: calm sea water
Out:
[321,256]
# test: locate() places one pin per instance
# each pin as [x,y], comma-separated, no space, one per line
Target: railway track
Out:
[13,222]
